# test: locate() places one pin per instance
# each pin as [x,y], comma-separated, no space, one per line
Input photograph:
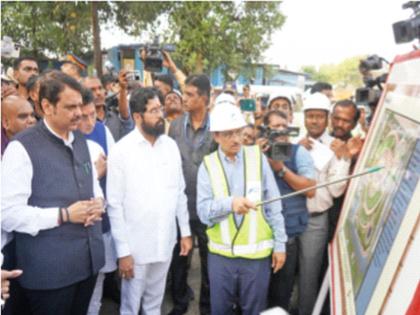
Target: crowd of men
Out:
[105,176]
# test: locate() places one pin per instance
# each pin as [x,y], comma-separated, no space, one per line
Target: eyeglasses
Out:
[231,133]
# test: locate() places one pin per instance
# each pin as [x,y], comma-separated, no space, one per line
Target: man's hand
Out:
[96,211]
[122,79]
[78,211]
[307,143]
[354,145]
[242,205]
[263,144]
[339,148]
[167,61]
[186,245]
[8,90]
[126,267]
[5,283]
[100,165]
[278,261]
[277,166]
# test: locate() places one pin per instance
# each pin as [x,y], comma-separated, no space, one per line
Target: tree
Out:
[48,27]
[96,31]
[345,74]
[315,74]
[207,34]
[59,27]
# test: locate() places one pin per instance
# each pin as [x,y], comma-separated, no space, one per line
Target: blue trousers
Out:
[238,281]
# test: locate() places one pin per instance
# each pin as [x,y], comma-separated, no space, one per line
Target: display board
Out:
[380,215]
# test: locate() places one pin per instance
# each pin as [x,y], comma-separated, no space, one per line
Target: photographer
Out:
[294,173]
[282,102]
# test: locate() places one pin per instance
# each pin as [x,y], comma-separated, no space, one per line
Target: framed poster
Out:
[381,211]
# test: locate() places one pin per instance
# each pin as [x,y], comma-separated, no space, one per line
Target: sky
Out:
[318,32]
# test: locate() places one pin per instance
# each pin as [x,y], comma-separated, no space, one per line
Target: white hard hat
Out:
[224,98]
[317,101]
[276,95]
[226,117]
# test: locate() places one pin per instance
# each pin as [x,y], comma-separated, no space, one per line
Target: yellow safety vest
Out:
[253,239]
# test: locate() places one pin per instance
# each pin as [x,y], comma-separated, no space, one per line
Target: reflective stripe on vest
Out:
[253,239]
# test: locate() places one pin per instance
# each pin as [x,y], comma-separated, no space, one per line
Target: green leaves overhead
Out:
[207,34]
[54,27]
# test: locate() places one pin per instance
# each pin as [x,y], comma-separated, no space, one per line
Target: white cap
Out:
[317,101]
[224,98]
[276,95]
[226,117]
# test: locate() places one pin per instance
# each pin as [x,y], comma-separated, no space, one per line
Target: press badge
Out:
[253,191]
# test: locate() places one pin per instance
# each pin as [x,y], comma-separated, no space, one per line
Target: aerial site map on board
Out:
[381,210]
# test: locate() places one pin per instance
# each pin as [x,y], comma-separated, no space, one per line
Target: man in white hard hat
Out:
[282,102]
[325,153]
[245,239]
[225,98]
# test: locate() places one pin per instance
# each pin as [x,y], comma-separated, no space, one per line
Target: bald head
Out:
[17,114]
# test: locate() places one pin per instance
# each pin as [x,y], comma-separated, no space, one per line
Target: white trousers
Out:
[110,265]
[147,289]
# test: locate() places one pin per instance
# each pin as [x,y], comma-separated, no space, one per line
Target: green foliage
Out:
[207,34]
[343,74]
[54,27]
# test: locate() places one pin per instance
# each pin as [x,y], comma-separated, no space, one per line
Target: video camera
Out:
[279,150]
[154,56]
[407,30]
[370,94]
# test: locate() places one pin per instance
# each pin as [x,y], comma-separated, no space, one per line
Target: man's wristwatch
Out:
[282,172]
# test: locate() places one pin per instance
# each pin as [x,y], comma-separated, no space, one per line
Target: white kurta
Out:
[145,190]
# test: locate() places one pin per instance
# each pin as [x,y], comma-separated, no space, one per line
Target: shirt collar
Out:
[204,125]
[324,137]
[223,156]
[67,142]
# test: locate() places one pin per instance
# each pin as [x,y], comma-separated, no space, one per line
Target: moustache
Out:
[75,119]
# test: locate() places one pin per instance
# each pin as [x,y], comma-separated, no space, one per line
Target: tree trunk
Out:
[97,54]
[199,67]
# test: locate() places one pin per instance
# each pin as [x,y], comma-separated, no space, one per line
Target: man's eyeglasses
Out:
[231,133]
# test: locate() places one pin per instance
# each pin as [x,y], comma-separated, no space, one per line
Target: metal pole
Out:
[368,171]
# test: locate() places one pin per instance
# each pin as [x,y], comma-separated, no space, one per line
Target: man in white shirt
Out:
[325,151]
[145,188]
[48,201]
